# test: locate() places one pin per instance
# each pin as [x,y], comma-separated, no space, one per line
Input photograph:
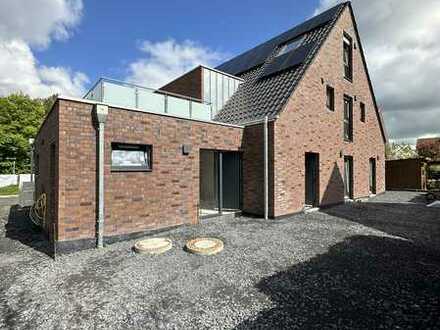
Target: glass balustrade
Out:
[132,96]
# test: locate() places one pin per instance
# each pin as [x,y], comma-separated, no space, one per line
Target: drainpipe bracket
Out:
[101,112]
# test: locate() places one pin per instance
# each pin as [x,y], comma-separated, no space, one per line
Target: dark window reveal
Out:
[36,163]
[131,157]
[362,105]
[330,98]
[348,118]
[348,57]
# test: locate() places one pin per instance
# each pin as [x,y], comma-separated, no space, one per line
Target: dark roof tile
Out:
[264,90]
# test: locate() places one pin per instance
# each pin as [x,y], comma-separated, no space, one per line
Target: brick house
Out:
[429,147]
[290,124]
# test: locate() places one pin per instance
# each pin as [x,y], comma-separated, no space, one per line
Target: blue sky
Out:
[106,40]
[64,46]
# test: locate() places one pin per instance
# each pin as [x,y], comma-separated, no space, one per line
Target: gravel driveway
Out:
[363,265]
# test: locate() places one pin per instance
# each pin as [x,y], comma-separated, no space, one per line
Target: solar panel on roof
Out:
[308,25]
[260,53]
[248,60]
[288,60]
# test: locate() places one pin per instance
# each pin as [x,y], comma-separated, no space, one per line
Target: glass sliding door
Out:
[231,181]
[220,182]
[208,183]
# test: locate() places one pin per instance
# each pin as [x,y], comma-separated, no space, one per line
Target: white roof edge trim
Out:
[221,72]
[76,99]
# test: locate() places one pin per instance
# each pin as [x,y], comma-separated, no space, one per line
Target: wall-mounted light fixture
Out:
[186,149]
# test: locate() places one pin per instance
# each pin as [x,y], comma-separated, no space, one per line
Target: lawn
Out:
[9,190]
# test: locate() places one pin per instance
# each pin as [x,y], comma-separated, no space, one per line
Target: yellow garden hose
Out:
[37,212]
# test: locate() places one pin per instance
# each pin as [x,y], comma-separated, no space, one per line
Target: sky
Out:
[64,46]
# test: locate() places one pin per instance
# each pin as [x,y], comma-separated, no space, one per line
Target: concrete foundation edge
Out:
[68,247]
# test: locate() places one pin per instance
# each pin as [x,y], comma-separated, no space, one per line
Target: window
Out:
[348,118]
[362,105]
[291,45]
[330,98]
[131,157]
[348,57]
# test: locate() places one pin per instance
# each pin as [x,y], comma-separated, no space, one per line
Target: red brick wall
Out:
[190,84]
[47,136]
[429,147]
[253,169]
[305,125]
[135,201]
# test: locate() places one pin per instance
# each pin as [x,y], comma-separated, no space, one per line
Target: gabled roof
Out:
[270,80]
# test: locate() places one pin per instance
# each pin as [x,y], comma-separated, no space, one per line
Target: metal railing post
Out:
[166,104]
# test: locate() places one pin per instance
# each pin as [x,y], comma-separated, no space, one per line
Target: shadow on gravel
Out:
[363,282]
[21,229]
[414,222]
[420,199]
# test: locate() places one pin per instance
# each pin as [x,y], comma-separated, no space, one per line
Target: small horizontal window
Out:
[131,157]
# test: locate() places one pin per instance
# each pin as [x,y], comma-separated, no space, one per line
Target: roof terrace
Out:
[128,95]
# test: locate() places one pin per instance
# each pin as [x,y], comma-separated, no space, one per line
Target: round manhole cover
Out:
[204,246]
[153,245]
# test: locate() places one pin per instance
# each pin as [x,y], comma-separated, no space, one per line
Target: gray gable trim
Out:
[361,49]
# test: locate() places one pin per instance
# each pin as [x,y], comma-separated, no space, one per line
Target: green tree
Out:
[20,119]
[399,151]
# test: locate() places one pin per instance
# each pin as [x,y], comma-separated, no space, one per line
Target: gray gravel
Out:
[364,265]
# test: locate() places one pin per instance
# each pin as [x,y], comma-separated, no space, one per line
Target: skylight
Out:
[291,45]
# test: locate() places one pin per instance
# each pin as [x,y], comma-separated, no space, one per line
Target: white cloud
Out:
[400,42]
[37,22]
[165,60]
[25,24]
[19,71]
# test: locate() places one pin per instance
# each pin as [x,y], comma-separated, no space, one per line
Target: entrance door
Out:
[372,175]
[312,179]
[348,177]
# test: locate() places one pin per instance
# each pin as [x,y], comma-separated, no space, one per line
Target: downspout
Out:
[266,170]
[101,112]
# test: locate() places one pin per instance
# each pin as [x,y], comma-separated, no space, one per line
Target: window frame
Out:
[148,148]
[363,112]
[348,121]
[298,42]
[331,106]
[348,67]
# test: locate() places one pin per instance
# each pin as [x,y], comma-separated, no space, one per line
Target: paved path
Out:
[8,200]
[367,265]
